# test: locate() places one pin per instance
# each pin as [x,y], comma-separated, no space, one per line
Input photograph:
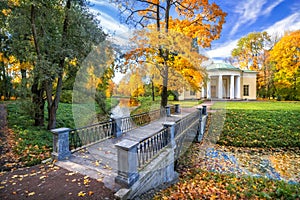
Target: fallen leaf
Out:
[81,194]
[31,193]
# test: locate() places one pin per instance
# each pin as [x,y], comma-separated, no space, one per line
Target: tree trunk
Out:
[51,117]
[23,84]
[53,104]
[153,92]
[38,102]
[37,91]
[164,93]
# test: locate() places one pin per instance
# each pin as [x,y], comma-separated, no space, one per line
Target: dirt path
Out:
[52,183]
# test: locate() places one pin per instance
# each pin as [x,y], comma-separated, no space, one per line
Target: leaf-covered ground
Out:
[52,183]
[237,167]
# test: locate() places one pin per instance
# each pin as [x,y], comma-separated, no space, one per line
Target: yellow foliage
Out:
[286,56]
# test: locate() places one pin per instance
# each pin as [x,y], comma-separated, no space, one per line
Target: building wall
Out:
[186,95]
[249,78]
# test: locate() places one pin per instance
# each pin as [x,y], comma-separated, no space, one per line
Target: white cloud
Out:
[289,23]
[105,3]
[223,51]
[250,11]
[271,7]
[121,32]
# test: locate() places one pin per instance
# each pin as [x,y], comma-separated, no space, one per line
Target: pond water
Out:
[123,109]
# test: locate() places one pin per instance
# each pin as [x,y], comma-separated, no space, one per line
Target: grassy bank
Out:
[261,124]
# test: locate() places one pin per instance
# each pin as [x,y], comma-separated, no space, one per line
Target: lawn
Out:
[261,124]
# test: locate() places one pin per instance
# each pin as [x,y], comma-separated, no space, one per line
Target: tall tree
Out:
[58,31]
[252,53]
[286,57]
[192,19]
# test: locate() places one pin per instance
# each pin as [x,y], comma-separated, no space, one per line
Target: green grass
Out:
[146,104]
[187,103]
[261,124]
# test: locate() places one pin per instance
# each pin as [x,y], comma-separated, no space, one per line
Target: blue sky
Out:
[244,16]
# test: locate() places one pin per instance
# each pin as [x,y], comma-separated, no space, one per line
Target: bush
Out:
[66,96]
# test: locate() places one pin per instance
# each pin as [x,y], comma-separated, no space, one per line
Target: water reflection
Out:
[124,108]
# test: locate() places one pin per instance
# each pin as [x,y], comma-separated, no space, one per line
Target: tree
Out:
[189,19]
[286,57]
[132,84]
[55,32]
[252,53]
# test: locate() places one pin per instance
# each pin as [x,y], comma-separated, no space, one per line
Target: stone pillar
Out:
[177,108]
[168,111]
[127,163]
[202,92]
[171,126]
[231,87]
[61,148]
[208,88]
[204,110]
[199,132]
[220,87]
[117,127]
[238,87]
[170,174]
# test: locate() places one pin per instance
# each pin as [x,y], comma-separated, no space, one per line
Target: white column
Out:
[220,87]
[208,89]
[238,87]
[231,87]
[202,92]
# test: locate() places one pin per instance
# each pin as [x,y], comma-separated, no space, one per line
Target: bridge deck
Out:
[99,161]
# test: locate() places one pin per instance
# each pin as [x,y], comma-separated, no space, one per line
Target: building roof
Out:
[222,66]
[249,71]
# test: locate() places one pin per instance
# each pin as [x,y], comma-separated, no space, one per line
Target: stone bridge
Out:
[131,155]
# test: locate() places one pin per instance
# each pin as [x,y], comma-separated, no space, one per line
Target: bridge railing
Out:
[149,147]
[90,134]
[134,121]
[81,137]
[134,156]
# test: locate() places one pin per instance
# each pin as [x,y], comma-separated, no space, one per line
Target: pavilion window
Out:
[246,90]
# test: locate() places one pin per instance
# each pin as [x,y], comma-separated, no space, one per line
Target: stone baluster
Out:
[168,111]
[127,163]
[61,148]
[177,108]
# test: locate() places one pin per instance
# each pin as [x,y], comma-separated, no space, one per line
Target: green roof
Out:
[222,66]
[249,71]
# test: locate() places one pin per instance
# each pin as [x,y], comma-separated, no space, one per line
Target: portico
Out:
[224,82]
[223,87]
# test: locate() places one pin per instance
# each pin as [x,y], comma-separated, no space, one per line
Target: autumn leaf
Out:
[31,193]
[81,194]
